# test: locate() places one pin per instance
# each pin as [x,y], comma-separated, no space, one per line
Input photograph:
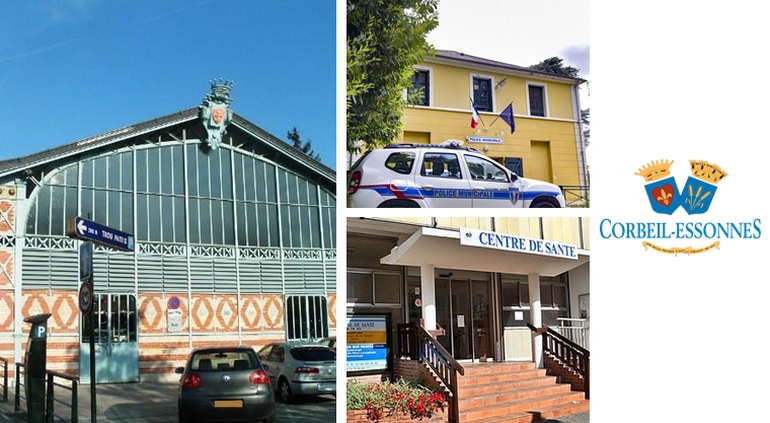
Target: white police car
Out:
[442,175]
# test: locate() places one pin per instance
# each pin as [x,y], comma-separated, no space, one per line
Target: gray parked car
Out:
[298,369]
[225,384]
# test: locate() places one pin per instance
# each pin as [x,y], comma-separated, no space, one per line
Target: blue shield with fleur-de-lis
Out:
[697,195]
[663,195]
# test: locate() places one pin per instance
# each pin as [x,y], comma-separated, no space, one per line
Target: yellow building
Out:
[547,143]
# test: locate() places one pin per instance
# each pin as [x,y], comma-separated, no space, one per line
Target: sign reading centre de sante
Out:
[487,239]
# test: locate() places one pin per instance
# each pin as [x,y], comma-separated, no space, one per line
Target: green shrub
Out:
[385,399]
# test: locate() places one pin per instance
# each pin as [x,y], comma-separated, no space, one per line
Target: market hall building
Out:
[462,296]
[234,234]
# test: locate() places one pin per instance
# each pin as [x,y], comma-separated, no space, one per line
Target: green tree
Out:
[556,66]
[303,146]
[385,40]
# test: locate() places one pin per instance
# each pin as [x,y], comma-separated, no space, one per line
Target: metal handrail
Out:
[417,344]
[50,396]
[576,195]
[566,352]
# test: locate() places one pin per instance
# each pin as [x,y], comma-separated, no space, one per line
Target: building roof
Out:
[480,61]
[287,153]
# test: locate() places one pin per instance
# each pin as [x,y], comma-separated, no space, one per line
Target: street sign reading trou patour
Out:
[100,234]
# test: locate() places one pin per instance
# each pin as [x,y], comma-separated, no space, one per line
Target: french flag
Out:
[475,117]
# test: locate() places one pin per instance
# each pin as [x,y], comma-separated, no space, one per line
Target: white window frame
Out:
[546,109]
[491,89]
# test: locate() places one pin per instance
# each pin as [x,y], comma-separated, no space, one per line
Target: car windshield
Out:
[313,354]
[223,359]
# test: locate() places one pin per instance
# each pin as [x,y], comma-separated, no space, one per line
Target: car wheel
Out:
[270,419]
[543,204]
[284,391]
[399,203]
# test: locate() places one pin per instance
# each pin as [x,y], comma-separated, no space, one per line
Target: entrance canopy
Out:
[442,249]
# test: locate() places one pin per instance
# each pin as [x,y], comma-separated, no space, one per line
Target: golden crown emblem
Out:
[706,171]
[655,170]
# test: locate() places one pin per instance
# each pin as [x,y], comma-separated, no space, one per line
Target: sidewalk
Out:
[124,402]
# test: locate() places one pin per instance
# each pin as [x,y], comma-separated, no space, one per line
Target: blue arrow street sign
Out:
[92,231]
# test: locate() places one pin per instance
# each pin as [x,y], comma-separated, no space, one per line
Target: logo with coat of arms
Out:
[698,192]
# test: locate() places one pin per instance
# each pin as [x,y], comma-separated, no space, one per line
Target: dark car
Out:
[298,369]
[225,384]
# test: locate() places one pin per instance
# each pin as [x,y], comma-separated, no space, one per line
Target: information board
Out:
[367,343]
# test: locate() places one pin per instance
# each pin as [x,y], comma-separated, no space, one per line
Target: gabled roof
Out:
[480,61]
[189,117]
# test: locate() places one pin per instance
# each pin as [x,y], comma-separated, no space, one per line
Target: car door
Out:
[493,186]
[442,182]
[271,357]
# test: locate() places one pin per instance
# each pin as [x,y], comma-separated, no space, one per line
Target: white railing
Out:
[576,330]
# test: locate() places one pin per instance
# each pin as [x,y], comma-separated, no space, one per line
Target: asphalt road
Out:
[156,403]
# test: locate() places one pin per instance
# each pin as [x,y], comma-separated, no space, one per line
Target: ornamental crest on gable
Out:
[215,112]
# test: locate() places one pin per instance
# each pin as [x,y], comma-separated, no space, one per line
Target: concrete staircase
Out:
[514,393]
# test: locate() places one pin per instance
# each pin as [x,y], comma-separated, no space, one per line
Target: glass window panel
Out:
[360,288]
[32,219]
[272,225]
[249,180]
[167,220]
[240,209]
[312,194]
[153,169]
[178,175]
[286,226]
[251,219]
[524,293]
[515,318]
[127,212]
[291,187]
[141,170]
[179,222]
[239,193]
[304,225]
[71,203]
[57,210]
[194,221]
[264,225]
[100,172]
[259,177]
[86,204]
[113,172]
[203,174]
[154,218]
[387,289]
[57,178]
[142,220]
[87,174]
[205,221]
[71,175]
[546,296]
[296,229]
[217,235]
[227,222]
[315,228]
[330,223]
[114,209]
[559,296]
[166,170]
[192,170]
[215,175]
[227,186]
[510,294]
[100,206]
[126,171]
[270,183]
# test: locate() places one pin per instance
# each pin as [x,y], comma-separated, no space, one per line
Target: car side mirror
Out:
[179,370]
[514,177]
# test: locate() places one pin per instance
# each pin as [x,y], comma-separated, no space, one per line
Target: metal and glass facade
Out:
[234,244]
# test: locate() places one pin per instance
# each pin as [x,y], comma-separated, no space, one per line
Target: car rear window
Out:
[313,354]
[219,360]
[400,162]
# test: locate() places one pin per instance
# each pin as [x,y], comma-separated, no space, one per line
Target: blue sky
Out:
[74,69]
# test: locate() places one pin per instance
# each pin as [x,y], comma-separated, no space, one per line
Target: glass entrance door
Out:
[462,308]
[115,337]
